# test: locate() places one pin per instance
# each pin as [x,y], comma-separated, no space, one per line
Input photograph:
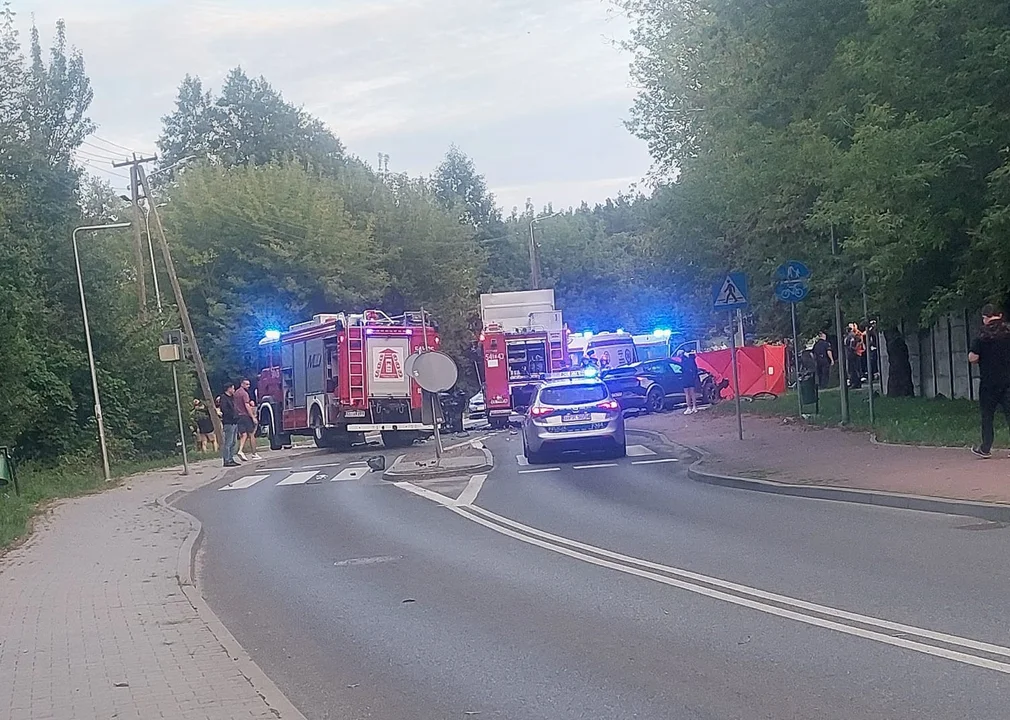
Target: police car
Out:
[573,411]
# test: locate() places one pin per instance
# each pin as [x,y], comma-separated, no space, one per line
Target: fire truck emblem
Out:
[388,365]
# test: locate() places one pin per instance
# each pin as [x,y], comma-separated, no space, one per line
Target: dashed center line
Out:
[540,470]
[655,462]
[593,467]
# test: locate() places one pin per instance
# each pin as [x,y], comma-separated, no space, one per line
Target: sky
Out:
[535,91]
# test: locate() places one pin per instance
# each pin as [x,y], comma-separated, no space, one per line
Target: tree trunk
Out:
[899,370]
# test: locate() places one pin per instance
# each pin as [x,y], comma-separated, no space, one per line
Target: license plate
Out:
[354,413]
[577,417]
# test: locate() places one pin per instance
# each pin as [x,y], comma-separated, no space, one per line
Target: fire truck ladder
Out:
[356,363]
[558,357]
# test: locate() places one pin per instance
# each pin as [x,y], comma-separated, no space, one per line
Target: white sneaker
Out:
[241,456]
[689,411]
[255,456]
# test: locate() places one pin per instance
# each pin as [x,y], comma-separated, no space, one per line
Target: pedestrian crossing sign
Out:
[731,293]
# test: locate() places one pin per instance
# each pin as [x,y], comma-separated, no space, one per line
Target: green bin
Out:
[808,390]
[7,473]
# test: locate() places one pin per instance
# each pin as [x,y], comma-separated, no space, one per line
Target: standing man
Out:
[246,421]
[991,352]
[824,359]
[229,419]
[854,350]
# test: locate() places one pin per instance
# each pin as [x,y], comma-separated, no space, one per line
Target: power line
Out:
[113,144]
[102,169]
[113,154]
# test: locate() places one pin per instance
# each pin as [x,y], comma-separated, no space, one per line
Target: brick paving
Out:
[814,455]
[94,622]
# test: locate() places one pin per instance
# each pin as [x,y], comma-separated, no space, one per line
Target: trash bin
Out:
[808,389]
[8,475]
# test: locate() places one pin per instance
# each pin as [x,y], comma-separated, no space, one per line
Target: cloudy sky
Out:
[534,90]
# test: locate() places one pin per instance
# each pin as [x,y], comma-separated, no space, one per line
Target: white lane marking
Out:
[480,439]
[495,522]
[273,470]
[351,473]
[688,577]
[298,478]
[539,470]
[425,493]
[591,467]
[358,462]
[521,459]
[639,451]
[243,483]
[469,494]
[655,462]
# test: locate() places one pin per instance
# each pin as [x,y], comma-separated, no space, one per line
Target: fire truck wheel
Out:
[498,423]
[398,439]
[276,439]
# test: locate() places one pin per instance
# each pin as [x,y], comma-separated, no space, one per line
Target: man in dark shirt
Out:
[229,419]
[824,359]
[991,352]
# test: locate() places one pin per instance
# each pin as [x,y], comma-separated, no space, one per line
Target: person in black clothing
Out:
[689,376]
[824,358]
[991,352]
[229,419]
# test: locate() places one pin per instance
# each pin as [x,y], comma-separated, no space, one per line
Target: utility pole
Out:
[534,260]
[187,325]
[843,387]
[138,243]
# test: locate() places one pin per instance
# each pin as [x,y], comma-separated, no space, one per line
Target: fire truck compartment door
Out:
[386,376]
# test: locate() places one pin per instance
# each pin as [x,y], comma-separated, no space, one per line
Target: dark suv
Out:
[654,385]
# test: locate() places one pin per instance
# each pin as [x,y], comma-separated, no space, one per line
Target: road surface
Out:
[591,589]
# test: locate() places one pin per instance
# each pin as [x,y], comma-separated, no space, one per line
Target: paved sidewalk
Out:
[94,622]
[811,455]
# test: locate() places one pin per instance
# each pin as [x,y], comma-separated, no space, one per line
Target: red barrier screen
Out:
[762,369]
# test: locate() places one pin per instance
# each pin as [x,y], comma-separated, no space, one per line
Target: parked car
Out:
[476,408]
[575,413]
[654,385]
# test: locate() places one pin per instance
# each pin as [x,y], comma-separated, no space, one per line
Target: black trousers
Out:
[854,365]
[823,374]
[989,400]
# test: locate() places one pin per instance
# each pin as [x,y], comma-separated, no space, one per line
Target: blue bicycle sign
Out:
[792,292]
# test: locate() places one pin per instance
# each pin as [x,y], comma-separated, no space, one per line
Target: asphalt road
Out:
[602,591]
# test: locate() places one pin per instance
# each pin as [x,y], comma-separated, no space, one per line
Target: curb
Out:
[993,512]
[275,700]
[394,475]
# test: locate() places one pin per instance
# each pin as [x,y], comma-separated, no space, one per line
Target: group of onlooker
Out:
[237,410]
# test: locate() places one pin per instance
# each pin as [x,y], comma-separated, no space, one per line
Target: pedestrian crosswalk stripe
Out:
[351,473]
[243,483]
[298,478]
[639,451]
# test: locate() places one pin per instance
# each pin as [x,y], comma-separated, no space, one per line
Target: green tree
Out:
[249,123]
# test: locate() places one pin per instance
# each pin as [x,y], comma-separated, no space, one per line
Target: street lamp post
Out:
[87,336]
[534,256]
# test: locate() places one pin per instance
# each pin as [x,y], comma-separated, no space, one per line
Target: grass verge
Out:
[41,485]
[910,421]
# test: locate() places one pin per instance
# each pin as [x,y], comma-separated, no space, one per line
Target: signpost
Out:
[791,287]
[435,372]
[731,295]
[171,351]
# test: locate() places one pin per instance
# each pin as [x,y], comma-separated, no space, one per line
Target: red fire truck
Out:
[340,376]
[523,340]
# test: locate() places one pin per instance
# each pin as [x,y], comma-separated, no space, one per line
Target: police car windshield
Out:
[576,394]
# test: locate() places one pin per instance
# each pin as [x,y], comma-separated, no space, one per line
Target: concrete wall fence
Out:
[939,357]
